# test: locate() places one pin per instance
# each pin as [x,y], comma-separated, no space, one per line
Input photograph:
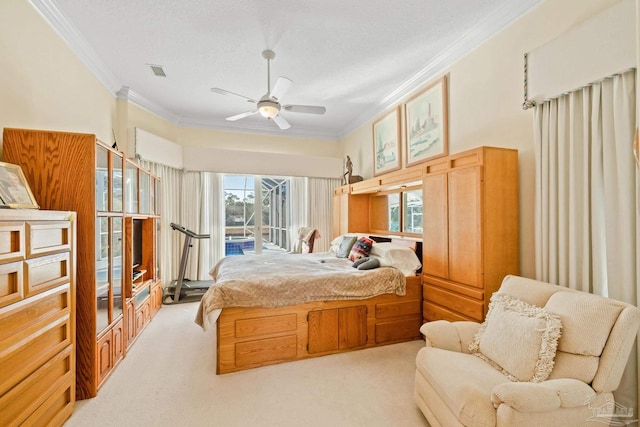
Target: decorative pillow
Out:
[369,264]
[345,246]
[357,262]
[518,339]
[361,248]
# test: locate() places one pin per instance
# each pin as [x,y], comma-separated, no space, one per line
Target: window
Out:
[397,211]
[412,211]
[246,231]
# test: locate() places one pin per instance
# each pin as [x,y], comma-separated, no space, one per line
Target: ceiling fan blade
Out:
[281,122]
[310,109]
[242,115]
[226,92]
[280,88]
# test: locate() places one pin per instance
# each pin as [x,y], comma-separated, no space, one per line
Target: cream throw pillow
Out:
[517,338]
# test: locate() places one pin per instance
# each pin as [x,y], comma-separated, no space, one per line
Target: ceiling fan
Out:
[269,105]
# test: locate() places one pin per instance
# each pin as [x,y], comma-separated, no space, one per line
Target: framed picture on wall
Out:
[426,123]
[14,189]
[386,143]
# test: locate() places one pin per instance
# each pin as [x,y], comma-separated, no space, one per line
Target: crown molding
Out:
[70,34]
[469,41]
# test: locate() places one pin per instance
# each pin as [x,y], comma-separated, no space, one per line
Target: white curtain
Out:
[587,224]
[212,220]
[298,201]
[320,201]
[170,211]
[191,200]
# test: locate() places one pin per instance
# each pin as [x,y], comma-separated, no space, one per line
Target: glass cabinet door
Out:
[102,273]
[144,192]
[158,247]
[157,198]
[116,182]
[152,196]
[131,191]
[102,178]
[116,271]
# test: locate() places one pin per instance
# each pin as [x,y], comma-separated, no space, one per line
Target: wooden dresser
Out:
[37,317]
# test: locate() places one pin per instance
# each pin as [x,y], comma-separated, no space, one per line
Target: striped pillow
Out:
[361,248]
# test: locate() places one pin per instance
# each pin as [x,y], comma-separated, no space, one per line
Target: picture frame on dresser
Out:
[426,124]
[14,188]
[386,143]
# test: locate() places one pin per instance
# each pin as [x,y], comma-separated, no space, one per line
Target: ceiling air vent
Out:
[157,70]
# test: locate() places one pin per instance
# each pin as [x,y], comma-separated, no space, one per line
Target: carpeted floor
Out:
[168,379]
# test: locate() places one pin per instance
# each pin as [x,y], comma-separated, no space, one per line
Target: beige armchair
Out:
[492,388]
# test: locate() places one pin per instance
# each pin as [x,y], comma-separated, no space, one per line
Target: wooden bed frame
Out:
[249,337]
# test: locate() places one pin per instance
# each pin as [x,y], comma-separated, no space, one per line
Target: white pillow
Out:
[393,255]
[518,339]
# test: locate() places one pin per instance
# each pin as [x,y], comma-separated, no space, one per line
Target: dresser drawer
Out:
[265,325]
[19,403]
[11,285]
[35,349]
[432,312]
[464,305]
[21,322]
[397,309]
[398,330]
[45,273]
[57,408]
[12,241]
[48,237]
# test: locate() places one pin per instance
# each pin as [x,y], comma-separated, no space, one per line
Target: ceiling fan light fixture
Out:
[268,109]
[269,105]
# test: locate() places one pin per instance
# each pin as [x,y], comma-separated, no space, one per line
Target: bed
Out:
[270,309]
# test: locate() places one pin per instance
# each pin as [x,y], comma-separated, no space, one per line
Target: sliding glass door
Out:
[255,221]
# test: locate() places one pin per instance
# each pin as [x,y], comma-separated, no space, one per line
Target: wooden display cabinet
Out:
[77,172]
[141,284]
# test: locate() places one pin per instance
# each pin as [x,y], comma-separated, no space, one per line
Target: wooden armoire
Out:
[470,239]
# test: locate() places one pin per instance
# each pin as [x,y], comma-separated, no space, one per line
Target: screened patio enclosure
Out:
[249,232]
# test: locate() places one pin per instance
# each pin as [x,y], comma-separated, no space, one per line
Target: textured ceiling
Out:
[355,57]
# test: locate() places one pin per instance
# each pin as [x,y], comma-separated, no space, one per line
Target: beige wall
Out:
[195,137]
[485,101]
[203,142]
[44,85]
[208,138]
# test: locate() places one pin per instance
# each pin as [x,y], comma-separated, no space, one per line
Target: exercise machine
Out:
[182,288]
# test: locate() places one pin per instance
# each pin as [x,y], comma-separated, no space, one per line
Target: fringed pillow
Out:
[517,338]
